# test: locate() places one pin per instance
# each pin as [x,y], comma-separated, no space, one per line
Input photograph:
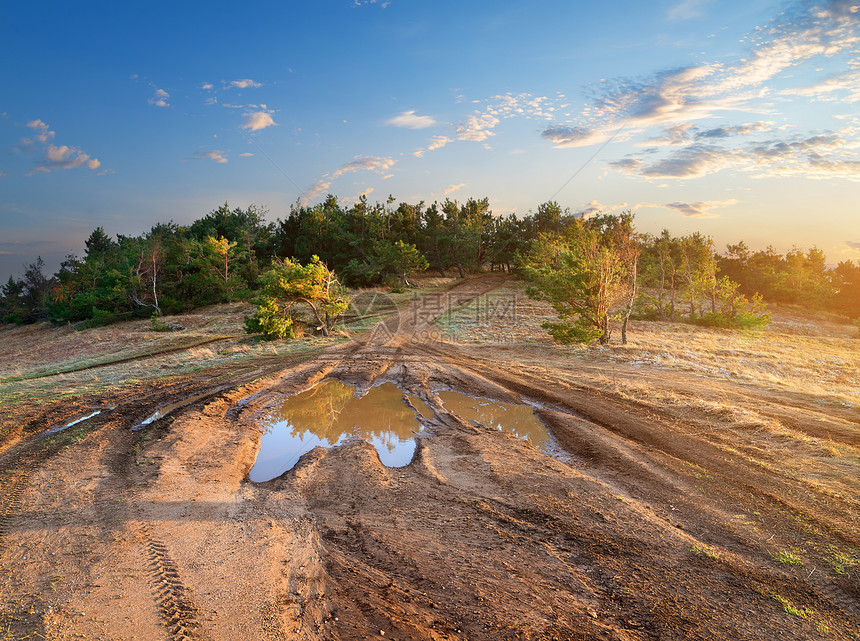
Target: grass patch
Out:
[706,550]
[843,562]
[788,606]
[786,557]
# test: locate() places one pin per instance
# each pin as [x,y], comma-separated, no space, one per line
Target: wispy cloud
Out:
[477,127]
[730,132]
[828,155]
[245,83]
[382,3]
[686,10]
[366,163]
[573,136]
[699,209]
[53,156]
[376,164]
[410,120]
[593,208]
[675,100]
[437,142]
[840,87]
[213,154]
[452,188]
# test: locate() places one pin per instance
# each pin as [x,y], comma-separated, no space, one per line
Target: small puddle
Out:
[331,413]
[54,430]
[161,412]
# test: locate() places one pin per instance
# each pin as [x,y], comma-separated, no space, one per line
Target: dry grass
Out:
[811,353]
[42,363]
[668,366]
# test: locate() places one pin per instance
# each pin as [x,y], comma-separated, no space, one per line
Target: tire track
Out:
[174,599]
[11,501]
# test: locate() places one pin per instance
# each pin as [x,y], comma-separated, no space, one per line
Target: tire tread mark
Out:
[174,599]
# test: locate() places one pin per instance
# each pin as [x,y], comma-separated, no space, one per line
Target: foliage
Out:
[586,272]
[218,258]
[157,325]
[688,269]
[290,283]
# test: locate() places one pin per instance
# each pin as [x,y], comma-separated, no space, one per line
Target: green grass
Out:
[706,550]
[785,557]
[843,562]
[788,606]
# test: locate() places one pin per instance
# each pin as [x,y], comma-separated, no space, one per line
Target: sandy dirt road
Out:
[650,527]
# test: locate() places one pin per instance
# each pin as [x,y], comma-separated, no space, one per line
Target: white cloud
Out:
[375,164]
[246,83]
[477,127]
[410,120]
[452,188]
[213,154]
[593,208]
[436,142]
[160,98]
[816,156]
[676,99]
[846,83]
[258,120]
[319,188]
[366,163]
[208,86]
[54,156]
[247,154]
[45,134]
[66,157]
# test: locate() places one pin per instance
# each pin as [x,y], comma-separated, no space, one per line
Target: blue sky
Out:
[739,119]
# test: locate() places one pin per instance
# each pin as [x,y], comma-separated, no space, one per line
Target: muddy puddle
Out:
[519,420]
[515,419]
[330,414]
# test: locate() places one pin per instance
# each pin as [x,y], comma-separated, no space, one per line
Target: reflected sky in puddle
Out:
[518,420]
[330,413]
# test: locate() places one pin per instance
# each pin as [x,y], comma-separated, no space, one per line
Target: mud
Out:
[656,528]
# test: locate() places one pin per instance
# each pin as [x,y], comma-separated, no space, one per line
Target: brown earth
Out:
[665,525]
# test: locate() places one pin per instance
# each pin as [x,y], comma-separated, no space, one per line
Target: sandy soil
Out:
[661,524]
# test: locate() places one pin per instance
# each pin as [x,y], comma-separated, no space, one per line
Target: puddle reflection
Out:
[518,420]
[329,414]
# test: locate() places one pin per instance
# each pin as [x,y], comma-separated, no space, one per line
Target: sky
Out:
[736,118]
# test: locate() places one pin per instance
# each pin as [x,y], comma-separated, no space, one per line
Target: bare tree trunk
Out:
[629,309]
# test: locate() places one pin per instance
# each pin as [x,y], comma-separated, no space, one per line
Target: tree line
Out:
[591,269]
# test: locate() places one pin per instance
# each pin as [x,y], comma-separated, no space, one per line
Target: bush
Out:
[289,283]
[269,321]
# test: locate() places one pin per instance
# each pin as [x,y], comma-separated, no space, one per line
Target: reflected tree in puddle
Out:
[518,420]
[329,414]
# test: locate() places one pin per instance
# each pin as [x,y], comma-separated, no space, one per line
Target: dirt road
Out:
[653,526]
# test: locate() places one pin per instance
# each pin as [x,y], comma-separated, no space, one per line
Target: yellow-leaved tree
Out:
[288,284]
